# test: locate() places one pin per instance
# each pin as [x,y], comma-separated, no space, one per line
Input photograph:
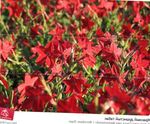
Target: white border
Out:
[72,118]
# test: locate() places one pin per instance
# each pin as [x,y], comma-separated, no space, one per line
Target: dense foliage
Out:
[81,56]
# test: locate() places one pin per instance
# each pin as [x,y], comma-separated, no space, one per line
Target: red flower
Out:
[28,82]
[42,57]
[143,45]
[36,99]
[32,94]
[69,105]
[142,105]
[36,30]
[76,84]
[70,6]
[138,61]
[138,5]
[3,70]
[89,52]
[91,107]
[139,77]
[127,31]
[6,48]
[111,53]
[112,74]
[105,38]
[107,5]
[87,23]
[114,108]
[14,8]
[55,52]
[117,94]
[138,19]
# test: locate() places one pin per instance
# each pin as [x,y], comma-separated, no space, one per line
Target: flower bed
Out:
[83,56]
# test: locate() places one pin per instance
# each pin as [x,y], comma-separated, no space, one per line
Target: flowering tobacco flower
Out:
[69,105]
[83,56]
[14,8]
[6,49]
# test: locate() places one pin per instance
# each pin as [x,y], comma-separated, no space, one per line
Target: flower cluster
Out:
[83,56]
